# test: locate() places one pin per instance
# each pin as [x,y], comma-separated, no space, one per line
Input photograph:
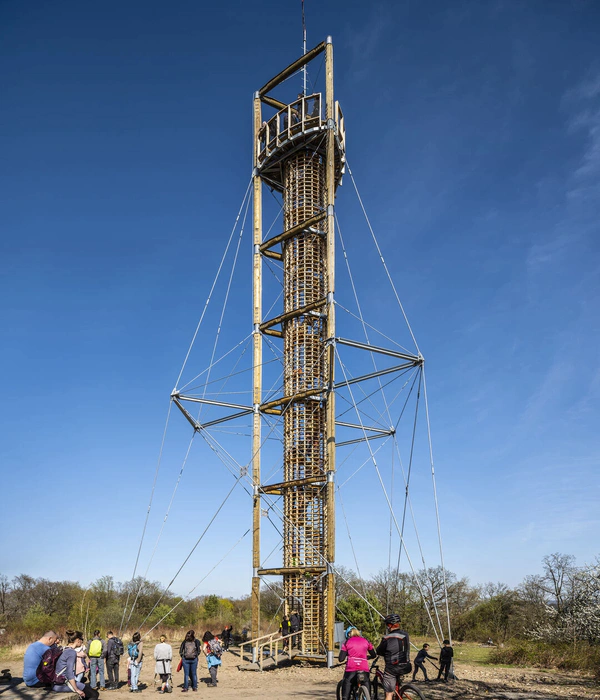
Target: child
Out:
[446,655]
[211,648]
[422,654]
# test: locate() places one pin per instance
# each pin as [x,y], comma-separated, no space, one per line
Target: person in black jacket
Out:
[114,649]
[284,630]
[189,652]
[295,625]
[422,654]
[395,649]
[446,656]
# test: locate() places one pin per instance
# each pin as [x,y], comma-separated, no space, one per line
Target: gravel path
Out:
[299,681]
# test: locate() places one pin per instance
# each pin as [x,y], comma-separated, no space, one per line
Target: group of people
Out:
[290,626]
[190,651]
[47,663]
[395,650]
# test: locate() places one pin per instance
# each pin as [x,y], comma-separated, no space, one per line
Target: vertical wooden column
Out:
[330,501]
[257,373]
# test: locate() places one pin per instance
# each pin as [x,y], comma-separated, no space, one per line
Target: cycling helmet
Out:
[352,627]
[392,619]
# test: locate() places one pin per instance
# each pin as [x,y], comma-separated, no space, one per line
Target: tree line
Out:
[559,605]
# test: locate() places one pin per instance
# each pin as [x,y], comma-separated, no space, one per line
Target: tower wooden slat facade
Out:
[299,152]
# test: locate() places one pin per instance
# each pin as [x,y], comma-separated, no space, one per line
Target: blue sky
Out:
[473,132]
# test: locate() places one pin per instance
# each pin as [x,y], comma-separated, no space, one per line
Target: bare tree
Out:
[558,572]
[4,591]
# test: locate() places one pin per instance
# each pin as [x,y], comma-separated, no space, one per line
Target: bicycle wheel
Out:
[338,691]
[411,692]
[362,694]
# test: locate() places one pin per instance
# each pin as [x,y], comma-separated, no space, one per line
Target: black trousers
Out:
[419,665]
[347,683]
[445,668]
[112,670]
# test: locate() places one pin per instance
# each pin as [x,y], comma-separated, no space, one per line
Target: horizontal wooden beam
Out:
[292,570]
[293,483]
[291,69]
[294,231]
[272,254]
[292,314]
[289,399]
[271,331]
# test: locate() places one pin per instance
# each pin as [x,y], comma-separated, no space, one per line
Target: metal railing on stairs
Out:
[268,647]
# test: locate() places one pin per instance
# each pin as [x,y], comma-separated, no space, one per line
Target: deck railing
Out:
[301,116]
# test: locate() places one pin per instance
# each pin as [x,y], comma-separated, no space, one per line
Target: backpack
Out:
[46,671]
[216,647]
[117,647]
[95,650]
[190,651]
[132,650]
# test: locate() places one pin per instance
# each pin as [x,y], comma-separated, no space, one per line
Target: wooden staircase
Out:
[267,651]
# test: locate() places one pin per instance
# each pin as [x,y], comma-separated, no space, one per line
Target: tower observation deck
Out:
[299,153]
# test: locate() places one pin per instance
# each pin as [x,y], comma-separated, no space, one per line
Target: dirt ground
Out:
[300,681]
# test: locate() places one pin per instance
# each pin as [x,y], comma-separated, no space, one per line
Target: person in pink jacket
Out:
[354,652]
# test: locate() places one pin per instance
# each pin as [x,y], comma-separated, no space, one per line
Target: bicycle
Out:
[406,691]
[358,689]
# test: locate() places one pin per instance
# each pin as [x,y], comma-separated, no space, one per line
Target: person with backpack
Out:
[81,664]
[422,654]
[33,658]
[446,656]
[354,652]
[395,649]
[163,654]
[135,651]
[189,652]
[213,650]
[64,671]
[97,654]
[114,652]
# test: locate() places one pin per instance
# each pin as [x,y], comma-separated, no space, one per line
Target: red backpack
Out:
[46,671]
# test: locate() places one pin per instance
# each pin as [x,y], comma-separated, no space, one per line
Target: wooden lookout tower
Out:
[299,153]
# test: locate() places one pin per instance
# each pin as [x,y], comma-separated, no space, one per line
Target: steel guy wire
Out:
[199,582]
[437,511]
[226,299]
[358,306]
[214,282]
[161,529]
[374,461]
[137,559]
[185,561]
[385,267]
[381,333]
